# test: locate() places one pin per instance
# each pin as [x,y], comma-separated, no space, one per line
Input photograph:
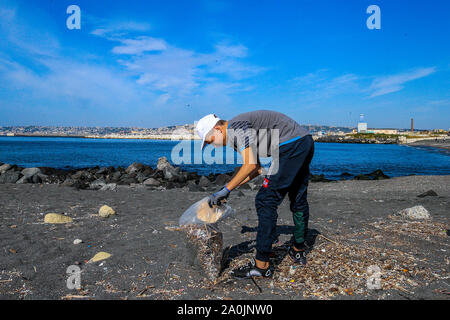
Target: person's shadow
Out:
[278,251]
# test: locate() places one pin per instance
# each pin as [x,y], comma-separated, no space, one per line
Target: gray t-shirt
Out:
[263,130]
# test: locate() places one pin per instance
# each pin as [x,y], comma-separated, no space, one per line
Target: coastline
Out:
[439,144]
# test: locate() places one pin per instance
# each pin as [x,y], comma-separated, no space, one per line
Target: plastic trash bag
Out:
[201,213]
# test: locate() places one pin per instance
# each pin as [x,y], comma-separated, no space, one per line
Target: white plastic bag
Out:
[201,213]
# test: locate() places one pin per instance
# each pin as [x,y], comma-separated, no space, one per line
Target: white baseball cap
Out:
[204,126]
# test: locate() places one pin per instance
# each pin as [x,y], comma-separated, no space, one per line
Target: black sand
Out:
[150,262]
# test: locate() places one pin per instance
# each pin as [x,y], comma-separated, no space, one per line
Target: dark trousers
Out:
[291,178]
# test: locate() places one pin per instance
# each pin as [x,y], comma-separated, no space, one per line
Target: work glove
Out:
[218,197]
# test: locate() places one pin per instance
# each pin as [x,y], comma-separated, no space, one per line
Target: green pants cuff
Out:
[299,227]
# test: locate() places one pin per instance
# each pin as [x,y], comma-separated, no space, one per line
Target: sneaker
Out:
[297,256]
[251,270]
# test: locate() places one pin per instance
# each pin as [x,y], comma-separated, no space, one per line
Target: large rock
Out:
[204,182]
[222,179]
[106,211]
[415,213]
[141,177]
[378,175]
[38,178]
[171,173]
[109,186]
[83,174]
[116,176]
[152,182]
[163,163]
[9,177]
[29,172]
[23,180]
[56,218]
[362,177]
[4,167]
[97,184]
[321,178]
[68,182]
[134,167]
[104,170]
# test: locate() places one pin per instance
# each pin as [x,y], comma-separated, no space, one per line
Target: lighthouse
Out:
[362,125]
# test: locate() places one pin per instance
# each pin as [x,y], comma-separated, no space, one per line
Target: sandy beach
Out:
[149,260]
[440,143]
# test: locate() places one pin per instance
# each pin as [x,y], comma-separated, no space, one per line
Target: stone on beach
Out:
[9,177]
[29,172]
[222,179]
[428,193]
[56,218]
[5,167]
[415,213]
[109,186]
[24,179]
[100,256]
[134,167]
[152,182]
[97,184]
[170,172]
[106,211]
[163,163]
[203,182]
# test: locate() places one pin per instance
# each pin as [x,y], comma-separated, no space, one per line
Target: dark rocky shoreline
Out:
[164,176]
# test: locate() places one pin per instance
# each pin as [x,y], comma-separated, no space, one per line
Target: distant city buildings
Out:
[362,128]
[182,132]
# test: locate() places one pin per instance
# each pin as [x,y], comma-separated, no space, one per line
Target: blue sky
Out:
[157,63]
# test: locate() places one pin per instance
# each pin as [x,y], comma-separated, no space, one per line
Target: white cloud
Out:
[321,85]
[387,84]
[115,29]
[139,45]
[145,74]
[239,51]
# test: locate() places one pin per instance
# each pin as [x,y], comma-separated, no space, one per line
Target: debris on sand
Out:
[209,243]
[415,213]
[357,263]
[100,256]
[56,218]
[417,229]
[106,211]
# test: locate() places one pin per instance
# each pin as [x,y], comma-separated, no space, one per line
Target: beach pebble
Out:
[106,211]
[100,256]
[292,270]
[97,184]
[152,182]
[429,193]
[77,241]
[56,218]
[416,213]
[109,186]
